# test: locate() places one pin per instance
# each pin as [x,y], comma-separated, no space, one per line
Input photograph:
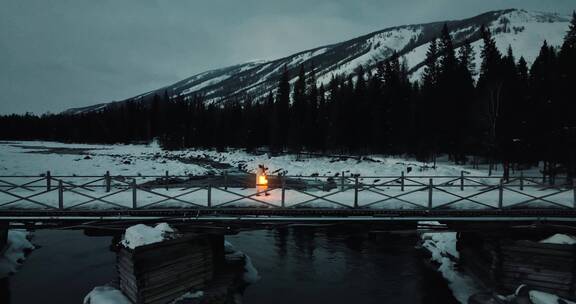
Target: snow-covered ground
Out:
[106,295]
[140,235]
[562,239]
[442,247]
[14,254]
[35,158]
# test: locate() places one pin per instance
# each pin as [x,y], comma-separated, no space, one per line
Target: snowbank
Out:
[106,295]
[140,235]
[539,297]
[251,275]
[562,239]
[15,253]
[442,246]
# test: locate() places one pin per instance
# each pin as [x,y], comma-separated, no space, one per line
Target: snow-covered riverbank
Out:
[13,255]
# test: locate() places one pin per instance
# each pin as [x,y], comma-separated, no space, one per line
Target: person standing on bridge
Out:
[261,180]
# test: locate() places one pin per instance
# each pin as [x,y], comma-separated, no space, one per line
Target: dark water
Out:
[297,265]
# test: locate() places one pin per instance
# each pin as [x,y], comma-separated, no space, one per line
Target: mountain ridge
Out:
[258,78]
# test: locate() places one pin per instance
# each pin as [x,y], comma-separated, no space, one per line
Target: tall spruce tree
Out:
[281,118]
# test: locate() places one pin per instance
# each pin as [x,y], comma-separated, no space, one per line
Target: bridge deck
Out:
[346,198]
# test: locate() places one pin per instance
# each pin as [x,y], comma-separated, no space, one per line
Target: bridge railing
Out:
[463,192]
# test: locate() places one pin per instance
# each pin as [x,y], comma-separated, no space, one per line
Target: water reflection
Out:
[296,264]
[332,265]
[4,290]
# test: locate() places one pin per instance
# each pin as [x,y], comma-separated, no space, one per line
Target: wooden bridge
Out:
[289,198]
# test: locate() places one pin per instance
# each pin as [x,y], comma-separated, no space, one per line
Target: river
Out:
[296,265]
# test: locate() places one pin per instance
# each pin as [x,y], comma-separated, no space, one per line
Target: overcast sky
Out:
[57,54]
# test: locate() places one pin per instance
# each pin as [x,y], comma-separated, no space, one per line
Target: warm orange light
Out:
[262,180]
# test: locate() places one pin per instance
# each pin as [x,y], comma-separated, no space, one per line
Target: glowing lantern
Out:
[262,180]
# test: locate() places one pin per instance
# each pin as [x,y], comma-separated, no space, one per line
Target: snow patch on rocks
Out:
[251,274]
[140,235]
[106,295]
[189,296]
[562,239]
[15,252]
[539,297]
[442,246]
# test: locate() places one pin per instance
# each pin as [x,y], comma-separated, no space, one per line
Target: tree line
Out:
[509,112]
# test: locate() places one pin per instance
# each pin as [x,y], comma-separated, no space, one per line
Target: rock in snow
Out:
[140,235]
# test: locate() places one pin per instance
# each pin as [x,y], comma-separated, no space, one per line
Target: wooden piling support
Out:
[342,181]
[402,182]
[462,180]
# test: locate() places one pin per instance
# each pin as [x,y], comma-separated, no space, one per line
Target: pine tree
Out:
[491,58]
[297,131]
[430,75]
[448,62]
[311,131]
[281,119]
[466,57]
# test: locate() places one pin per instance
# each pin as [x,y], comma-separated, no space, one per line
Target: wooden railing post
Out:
[402,181]
[462,180]
[356,192]
[283,185]
[108,181]
[430,189]
[166,180]
[342,181]
[521,180]
[225,180]
[574,190]
[134,197]
[48,181]
[60,195]
[209,198]
[500,194]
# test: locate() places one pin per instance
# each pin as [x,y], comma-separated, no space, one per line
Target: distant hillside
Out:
[524,31]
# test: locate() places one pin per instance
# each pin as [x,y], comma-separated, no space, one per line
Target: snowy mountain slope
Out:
[524,31]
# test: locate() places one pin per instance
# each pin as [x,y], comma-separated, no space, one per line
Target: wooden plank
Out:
[564,279]
[169,291]
[140,268]
[536,250]
[535,268]
[556,285]
[526,243]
